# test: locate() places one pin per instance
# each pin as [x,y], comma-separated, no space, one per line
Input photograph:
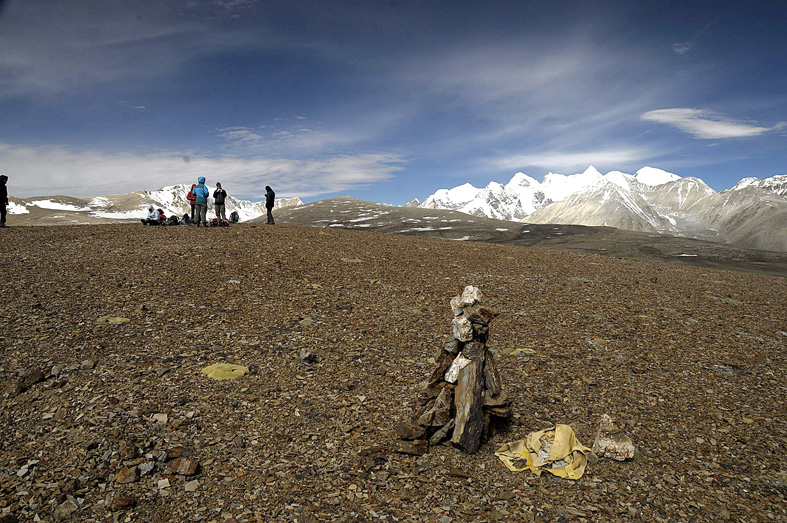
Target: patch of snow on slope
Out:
[652,176]
[56,206]
[15,208]
[559,186]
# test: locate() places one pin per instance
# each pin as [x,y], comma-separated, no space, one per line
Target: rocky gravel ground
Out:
[106,415]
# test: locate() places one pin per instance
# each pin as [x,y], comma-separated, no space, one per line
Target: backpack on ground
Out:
[234,218]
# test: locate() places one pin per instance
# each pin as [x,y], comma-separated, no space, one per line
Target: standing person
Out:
[192,199]
[201,194]
[270,196]
[219,195]
[3,198]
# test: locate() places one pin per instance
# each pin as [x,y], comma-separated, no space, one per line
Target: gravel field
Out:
[106,415]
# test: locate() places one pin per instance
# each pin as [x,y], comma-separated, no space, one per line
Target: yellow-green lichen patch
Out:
[225,371]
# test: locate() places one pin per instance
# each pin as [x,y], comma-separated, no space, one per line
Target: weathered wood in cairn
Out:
[469,401]
[464,400]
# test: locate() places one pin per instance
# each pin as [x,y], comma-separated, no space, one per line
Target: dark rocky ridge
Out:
[689,360]
[355,214]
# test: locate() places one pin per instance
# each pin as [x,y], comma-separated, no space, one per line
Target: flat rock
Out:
[417,447]
[184,466]
[611,442]
[409,431]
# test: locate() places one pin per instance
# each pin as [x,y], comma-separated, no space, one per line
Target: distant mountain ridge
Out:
[129,206]
[753,214]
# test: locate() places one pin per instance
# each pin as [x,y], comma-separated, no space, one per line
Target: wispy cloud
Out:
[682,47]
[574,161]
[63,48]
[44,170]
[707,125]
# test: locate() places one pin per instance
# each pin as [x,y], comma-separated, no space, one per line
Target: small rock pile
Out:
[464,400]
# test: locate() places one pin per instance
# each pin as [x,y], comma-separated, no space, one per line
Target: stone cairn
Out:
[464,399]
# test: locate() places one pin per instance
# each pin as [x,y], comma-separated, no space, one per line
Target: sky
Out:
[384,101]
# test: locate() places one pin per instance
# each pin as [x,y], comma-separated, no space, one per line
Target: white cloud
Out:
[682,47]
[50,170]
[573,161]
[706,124]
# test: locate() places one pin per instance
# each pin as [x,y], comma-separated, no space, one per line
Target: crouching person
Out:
[154,217]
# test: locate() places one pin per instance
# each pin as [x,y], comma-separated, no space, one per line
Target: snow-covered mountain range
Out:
[752,214]
[130,206]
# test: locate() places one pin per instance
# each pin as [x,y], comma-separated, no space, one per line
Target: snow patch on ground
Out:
[14,208]
[55,206]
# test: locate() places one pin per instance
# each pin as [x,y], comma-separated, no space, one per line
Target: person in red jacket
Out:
[192,198]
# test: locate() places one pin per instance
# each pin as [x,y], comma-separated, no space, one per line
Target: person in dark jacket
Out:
[3,199]
[219,195]
[270,196]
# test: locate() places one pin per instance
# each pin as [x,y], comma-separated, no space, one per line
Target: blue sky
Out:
[384,101]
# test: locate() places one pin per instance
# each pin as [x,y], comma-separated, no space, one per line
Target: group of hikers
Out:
[198,200]
[197,197]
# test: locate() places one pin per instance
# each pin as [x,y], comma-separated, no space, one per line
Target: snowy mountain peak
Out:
[591,172]
[775,184]
[653,176]
[651,200]
[521,180]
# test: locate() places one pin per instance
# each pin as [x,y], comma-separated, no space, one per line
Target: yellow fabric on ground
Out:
[565,449]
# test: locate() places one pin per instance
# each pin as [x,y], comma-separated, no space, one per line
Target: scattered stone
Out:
[442,434]
[127,450]
[174,452]
[438,411]
[65,509]
[611,442]
[88,365]
[307,356]
[409,431]
[120,501]
[417,447]
[160,418]
[459,473]
[146,468]
[28,379]
[184,466]
[126,475]
[191,486]
[113,319]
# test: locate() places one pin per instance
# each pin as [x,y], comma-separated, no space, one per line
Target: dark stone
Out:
[438,412]
[452,345]
[418,447]
[473,351]
[479,314]
[409,431]
[443,433]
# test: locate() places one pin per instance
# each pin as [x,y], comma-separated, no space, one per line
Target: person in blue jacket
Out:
[201,203]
